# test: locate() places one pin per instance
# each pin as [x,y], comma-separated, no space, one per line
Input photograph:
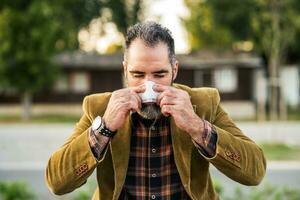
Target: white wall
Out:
[290,85]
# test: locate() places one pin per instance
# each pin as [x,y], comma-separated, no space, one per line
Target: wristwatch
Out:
[98,126]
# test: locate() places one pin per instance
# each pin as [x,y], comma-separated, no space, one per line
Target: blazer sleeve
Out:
[237,156]
[70,166]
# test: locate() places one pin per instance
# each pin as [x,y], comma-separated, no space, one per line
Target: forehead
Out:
[141,54]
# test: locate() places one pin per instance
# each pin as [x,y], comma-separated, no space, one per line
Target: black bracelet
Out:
[106,132]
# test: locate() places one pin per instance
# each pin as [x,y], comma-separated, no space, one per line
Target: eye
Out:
[138,75]
[159,75]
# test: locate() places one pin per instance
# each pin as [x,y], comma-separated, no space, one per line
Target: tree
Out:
[272,25]
[217,24]
[32,31]
[128,13]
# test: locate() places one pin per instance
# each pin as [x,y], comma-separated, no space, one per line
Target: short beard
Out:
[150,111]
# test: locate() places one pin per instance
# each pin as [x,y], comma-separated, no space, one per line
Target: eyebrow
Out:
[156,72]
[161,71]
[136,72]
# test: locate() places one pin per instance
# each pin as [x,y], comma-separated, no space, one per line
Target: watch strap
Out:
[105,131]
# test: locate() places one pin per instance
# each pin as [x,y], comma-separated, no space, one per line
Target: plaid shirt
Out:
[152,173]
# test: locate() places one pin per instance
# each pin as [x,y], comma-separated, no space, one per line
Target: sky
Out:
[166,12]
[170,12]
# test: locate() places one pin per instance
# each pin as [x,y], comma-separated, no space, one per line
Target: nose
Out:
[149,78]
[149,84]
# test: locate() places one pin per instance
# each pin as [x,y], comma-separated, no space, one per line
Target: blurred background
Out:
[53,53]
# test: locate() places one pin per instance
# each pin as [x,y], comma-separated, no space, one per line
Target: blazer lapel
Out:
[182,148]
[120,148]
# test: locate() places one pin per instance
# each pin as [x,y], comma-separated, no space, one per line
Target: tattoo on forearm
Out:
[206,133]
[97,143]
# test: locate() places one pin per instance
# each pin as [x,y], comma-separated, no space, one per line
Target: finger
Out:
[137,99]
[166,110]
[139,89]
[166,93]
[160,88]
[131,105]
[134,107]
[133,98]
[166,100]
[131,94]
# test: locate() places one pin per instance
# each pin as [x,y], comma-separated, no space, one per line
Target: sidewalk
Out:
[44,139]
[26,148]
[277,131]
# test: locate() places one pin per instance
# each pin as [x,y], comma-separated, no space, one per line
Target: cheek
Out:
[165,81]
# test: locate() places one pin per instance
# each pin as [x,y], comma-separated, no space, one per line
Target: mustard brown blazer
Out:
[237,156]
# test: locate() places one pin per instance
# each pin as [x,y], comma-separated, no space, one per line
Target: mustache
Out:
[150,111]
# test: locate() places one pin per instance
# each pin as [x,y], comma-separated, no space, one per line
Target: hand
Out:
[177,103]
[120,104]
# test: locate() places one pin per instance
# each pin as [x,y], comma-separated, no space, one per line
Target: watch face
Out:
[96,123]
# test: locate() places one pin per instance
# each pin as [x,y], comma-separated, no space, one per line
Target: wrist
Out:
[99,127]
[196,129]
[101,137]
[108,124]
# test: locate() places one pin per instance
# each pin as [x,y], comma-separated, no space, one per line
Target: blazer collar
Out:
[120,149]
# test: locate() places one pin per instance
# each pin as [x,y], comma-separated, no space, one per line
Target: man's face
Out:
[146,63]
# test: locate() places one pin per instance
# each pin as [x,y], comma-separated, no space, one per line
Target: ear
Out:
[175,70]
[124,69]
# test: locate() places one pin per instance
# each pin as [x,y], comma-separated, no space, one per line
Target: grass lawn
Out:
[275,151]
[272,151]
[294,115]
[41,119]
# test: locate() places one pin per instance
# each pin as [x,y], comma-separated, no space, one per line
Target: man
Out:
[160,150]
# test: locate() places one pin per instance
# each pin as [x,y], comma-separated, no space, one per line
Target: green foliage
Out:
[268,192]
[86,193]
[265,192]
[264,29]
[203,29]
[278,151]
[41,119]
[128,13]
[219,24]
[294,113]
[218,187]
[31,32]
[15,191]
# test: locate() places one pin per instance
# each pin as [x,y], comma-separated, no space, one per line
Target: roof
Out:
[80,59]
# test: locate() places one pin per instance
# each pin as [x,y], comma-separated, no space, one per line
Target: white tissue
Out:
[149,96]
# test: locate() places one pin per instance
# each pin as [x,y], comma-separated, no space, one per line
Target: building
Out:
[85,73]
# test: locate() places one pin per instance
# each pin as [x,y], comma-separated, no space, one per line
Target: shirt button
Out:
[153,196]
[153,128]
[153,175]
[153,150]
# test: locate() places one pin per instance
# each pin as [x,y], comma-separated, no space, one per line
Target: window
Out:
[226,79]
[198,78]
[61,85]
[80,82]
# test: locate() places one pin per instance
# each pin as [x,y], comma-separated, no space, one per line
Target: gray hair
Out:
[151,33]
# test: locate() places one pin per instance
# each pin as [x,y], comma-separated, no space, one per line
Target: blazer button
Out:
[238,157]
[234,157]
[85,166]
[228,153]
